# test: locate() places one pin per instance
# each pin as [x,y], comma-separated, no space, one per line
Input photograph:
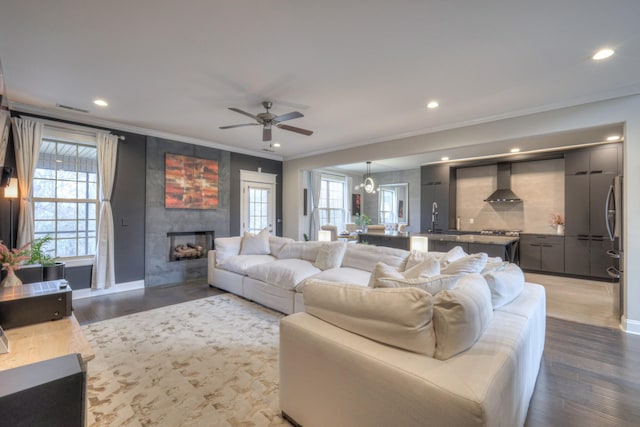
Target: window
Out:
[258,209]
[65,193]
[332,200]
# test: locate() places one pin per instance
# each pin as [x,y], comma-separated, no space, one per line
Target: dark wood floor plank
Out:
[589,376]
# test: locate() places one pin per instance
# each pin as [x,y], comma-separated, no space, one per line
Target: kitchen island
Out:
[505,247]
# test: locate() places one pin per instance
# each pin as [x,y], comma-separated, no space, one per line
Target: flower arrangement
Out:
[556,220]
[12,259]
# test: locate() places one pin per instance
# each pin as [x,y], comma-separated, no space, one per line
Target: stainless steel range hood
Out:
[503,193]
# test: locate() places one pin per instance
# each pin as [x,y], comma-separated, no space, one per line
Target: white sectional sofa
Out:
[385,337]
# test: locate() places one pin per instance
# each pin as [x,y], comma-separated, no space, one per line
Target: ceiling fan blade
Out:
[266,134]
[237,126]
[295,129]
[288,116]
[237,110]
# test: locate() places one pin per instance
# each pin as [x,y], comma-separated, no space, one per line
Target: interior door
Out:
[258,210]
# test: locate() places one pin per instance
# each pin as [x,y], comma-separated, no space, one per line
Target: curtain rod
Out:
[77,128]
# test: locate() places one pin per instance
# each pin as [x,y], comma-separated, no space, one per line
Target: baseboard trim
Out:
[119,287]
[630,326]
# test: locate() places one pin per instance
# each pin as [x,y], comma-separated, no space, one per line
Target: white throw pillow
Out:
[461,315]
[466,265]
[398,317]
[433,285]
[255,244]
[454,254]
[416,258]
[505,285]
[383,270]
[330,255]
[427,268]
[227,247]
[301,250]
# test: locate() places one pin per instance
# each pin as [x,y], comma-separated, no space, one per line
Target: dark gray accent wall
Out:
[128,205]
[158,269]
[251,163]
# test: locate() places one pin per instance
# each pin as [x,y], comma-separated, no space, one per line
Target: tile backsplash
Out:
[540,184]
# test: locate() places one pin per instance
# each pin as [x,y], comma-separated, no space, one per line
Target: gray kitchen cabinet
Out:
[491,250]
[599,260]
[540,252]
[576,204]
[434,188]
[604,159]
[390,241]
[445,246]
[577,255]
[576,162]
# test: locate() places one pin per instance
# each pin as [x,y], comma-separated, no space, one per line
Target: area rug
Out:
[208,362]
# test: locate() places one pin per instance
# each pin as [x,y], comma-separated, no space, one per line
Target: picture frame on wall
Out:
[355,204]
[190,182]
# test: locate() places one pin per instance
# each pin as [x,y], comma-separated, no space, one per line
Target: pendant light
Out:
[368,185]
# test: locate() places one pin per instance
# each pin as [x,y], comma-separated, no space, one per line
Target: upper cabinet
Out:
[606,159]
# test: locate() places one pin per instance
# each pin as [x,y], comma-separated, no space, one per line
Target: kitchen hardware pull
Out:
[613,253]
[595,172]
[547,246]
[581,172]
[613,272]
[606,212]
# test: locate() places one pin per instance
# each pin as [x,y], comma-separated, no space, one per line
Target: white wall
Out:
[619,110]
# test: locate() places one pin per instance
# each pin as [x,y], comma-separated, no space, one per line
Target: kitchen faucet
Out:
[434,216]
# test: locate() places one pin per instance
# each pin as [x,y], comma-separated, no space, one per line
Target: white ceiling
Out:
[360,71]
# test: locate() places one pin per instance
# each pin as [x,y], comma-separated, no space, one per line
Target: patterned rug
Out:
[208,362]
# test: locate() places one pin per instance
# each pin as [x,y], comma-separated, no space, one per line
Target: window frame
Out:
[328,214]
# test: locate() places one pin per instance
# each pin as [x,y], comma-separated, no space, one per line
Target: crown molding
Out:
[88,120]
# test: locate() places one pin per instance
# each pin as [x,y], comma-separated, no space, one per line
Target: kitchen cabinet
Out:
[445,246]
[588,175]
[491,250]
[434,187]
[542,252]
[401,241]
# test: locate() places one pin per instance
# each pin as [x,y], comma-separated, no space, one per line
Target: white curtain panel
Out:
[4,134]
[27,137]
[314,179]
[347,199]
[103,275]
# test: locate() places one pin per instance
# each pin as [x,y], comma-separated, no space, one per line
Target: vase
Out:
[560,229]
[11,280]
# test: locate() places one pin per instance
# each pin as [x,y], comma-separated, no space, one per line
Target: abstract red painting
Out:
[190,182]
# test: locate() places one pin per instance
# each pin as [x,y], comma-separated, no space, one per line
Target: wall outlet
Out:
[470,220]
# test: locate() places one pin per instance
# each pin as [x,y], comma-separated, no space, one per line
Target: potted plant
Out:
[11,260]
[51,270]
[362,221]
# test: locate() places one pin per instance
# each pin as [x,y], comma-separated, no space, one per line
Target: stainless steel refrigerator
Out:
[613,213]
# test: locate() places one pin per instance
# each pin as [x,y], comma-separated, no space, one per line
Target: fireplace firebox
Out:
[187,245]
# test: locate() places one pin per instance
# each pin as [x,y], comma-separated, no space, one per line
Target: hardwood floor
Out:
[589,375]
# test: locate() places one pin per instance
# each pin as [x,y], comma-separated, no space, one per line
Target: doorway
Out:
[258,201]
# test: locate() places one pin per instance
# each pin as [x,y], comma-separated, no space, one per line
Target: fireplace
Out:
[186,245]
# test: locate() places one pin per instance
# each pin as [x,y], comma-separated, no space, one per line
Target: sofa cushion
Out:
[255,244]
[340,275]
[433,285]
[240,263]
[276,243]
[226,247]
[398,317]
[461,315]
[330,255]
[494,264]
[365,257]
[505,285]
[283,273]
[466,265]
[301,250]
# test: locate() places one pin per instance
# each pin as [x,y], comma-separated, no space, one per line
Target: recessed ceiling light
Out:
[100,102]
[515,150]
[602,54]
[444,159]
[613,138]
[275,144]
[433,104]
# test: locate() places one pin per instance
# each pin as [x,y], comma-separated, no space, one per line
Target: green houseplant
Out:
[51,270]
[362,221]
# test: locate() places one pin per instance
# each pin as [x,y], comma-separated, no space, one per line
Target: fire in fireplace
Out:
[186,245]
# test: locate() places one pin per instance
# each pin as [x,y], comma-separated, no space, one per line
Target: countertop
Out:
[472,238]
[462,238]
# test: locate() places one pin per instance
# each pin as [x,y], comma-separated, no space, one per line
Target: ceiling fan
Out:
[267,120]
